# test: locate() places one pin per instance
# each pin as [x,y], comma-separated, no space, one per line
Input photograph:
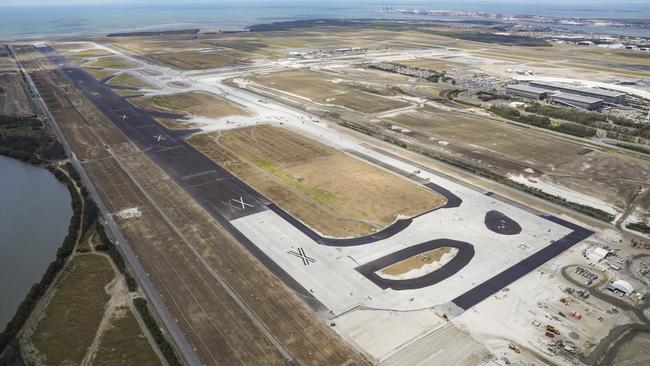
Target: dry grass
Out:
[99,74]
[13,100]
[129,80]
[507,149]
[73,315]
[124,343]
[91,52]
[190,60]
[128,93]
[471,133]
[324,90]
[334,193]
[193,103]
[416,262]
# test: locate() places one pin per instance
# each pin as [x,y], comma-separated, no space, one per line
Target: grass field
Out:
[91,52]
[192,103]
[498,146]
[323,89]
[73,315]
[124,343]
[296,173]
[111,62]
[129,80]
[99,74]
[190,60]
[13,100]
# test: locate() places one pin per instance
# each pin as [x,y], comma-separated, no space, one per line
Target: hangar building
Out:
[621,286]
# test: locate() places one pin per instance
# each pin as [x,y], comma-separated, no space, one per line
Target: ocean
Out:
[32,22]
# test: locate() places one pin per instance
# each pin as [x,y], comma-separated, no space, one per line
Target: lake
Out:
[34,215]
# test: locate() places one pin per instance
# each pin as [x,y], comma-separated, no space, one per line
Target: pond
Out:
[34,215]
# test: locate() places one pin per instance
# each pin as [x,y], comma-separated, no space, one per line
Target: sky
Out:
[413,3]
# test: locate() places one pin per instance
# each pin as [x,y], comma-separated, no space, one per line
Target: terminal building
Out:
[578,101]
[608,96]
[584,98]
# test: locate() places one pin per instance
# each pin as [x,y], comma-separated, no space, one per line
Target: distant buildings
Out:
[527,91]
[606,95]
[578,101]
[575,96]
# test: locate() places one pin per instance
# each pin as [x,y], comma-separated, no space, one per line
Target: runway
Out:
[220,193]
[226,199]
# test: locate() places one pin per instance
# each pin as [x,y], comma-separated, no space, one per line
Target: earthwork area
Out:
[191,103]
[297,173]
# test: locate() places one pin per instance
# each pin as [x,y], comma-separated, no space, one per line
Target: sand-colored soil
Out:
[416,262]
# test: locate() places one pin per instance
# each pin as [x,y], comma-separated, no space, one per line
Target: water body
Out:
[34,215]
[26,22]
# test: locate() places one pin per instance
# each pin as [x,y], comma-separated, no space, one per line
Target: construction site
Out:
[308,197]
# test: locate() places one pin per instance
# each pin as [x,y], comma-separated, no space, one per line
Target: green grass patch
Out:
[73,315]
[320,195]
[124,343]
[641,227]
[164,102]
[156,333]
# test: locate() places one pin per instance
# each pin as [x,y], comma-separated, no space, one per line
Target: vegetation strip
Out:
[156,333]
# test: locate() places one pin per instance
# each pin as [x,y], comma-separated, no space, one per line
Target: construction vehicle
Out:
[552,329]
[514,347]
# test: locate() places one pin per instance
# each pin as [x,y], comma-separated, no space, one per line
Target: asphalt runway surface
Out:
[462,258]
[499,223]
[510,275]
[221,194]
